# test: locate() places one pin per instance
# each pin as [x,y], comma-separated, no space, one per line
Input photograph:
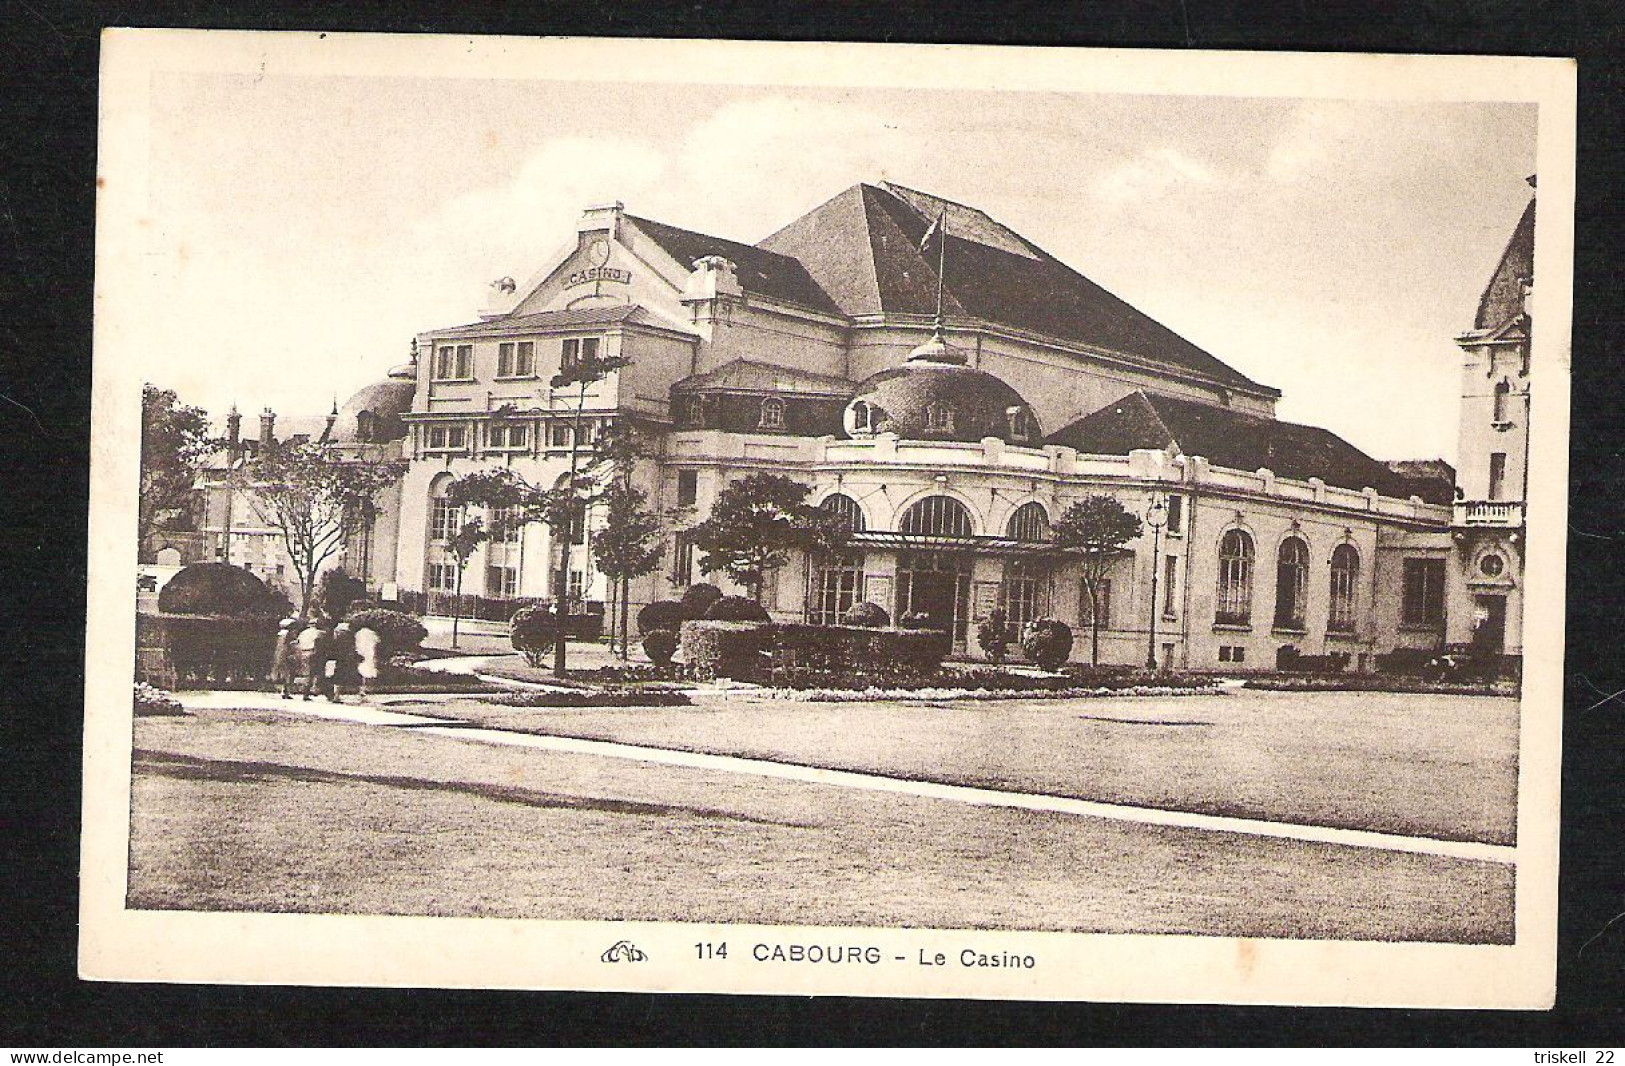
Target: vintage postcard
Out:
[828,519]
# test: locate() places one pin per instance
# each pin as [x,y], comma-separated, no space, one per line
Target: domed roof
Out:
[373,414]
[934,396]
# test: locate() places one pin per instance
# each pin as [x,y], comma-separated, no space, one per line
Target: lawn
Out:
[1436,765]
[264,811]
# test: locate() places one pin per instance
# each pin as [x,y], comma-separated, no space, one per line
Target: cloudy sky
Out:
[306,228]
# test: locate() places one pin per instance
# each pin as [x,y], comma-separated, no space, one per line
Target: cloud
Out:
[1153,174]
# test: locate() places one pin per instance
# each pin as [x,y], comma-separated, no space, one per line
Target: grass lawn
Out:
[1435,765]
[247,810]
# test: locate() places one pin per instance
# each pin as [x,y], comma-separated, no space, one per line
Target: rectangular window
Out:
[505,360]
[1224,653]
[445,362]
[1424,593]
[578,585]
[1103,596]
[558,435]
[1170,575]
[465,361]
[682,559]
[1176,515]
[525,359]
[1232,653]
[446,438]
[442,577]
[1498,475]
[444,520]
[502,582]
[505,525]
[509,436]
[688,487]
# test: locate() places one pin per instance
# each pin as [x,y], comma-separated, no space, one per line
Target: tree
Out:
[756,523]
[315,499]
[461,547]
[1095,530]
[630,544]
[175,443]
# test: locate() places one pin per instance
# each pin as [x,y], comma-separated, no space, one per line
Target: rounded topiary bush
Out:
[993,636]
[398,633]
[661,614]
[737,609]
[219,589]
[866,615]
[697,599]
[532,633]
[660,645]
[1047,642]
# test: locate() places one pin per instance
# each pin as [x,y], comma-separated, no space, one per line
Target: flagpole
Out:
[942,264]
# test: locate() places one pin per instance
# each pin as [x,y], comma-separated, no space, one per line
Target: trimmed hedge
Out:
[737,609]
[993,636]
[1047,642]
[532,633]
[740,649]
[660,645]
[697,600]
[866,615]
[209,647]
[661,614]
[398,633]
[221,590]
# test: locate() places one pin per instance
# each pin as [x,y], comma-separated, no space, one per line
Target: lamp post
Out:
[1156,516]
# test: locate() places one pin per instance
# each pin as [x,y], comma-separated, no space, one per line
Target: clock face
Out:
[599,252]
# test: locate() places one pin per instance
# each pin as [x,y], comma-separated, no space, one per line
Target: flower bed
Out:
[587,697]
[1380,683]
[987,679]
[153,702]
[844,695]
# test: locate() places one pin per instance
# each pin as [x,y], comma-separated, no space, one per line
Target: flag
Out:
[931,231]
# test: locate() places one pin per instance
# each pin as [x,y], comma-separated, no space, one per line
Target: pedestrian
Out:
[368,648]
[285,657]
[342,655]
[314,641]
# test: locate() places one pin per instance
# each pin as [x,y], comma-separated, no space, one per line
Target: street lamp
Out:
[1156,516]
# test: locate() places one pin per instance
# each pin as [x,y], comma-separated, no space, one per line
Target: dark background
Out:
[48,93]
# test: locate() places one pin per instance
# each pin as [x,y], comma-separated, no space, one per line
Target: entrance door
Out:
[936,584]
[1490,636]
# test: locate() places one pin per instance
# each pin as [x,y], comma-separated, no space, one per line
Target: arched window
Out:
[694,411]
[1029,522]
[1345,582]
[1235,579]
[1503,394]
[847,509]
[937,516]
[364,427]
[772,413]
[445,518]
[1291,580]
[939,417]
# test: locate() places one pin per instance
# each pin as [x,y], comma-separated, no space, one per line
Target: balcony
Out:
[1502,514]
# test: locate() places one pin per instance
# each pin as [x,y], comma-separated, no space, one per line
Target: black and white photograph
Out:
[862,520]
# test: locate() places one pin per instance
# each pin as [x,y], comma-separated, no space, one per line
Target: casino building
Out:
[950,388]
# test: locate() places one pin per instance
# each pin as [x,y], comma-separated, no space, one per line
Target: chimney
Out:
[234,433]
[602,217]
[713,276]
[267,423]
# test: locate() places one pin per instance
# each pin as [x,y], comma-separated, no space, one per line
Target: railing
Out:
[1502,513]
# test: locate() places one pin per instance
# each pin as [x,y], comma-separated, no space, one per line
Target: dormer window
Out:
[694,412]
[1021,423]
[861,418]
[939,417]
[772,413]
[364,428]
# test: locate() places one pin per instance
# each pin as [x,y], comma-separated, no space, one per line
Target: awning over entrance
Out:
[874,538]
